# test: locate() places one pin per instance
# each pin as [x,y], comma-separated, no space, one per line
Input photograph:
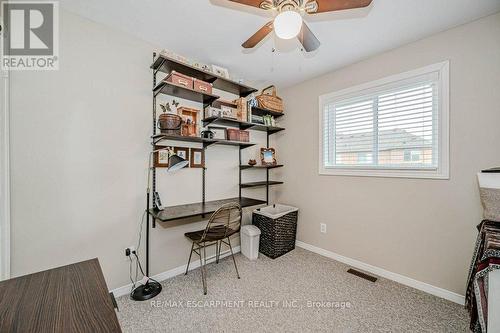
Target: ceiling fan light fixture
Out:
[287,24]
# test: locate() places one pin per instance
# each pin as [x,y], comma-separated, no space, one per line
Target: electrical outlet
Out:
[129,250]
[322,228]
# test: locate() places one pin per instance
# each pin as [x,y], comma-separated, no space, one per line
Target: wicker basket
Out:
[170,124]
[278,226]
[270,101]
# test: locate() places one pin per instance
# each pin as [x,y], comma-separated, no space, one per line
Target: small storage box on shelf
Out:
[180,80]
[202,86]
[278,226]
[238,135]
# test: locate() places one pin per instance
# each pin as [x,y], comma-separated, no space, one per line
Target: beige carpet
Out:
[298,292]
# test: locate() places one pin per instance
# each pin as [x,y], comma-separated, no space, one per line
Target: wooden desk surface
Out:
[71,298]
[194,209]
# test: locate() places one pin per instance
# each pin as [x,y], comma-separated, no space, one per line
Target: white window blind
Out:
[394,126]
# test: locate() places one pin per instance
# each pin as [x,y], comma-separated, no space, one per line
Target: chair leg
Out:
[204,272]
[200,254]
[232,254]
[218,245]
[189,260]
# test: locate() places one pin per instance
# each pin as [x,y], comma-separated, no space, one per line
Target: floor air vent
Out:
[362,275]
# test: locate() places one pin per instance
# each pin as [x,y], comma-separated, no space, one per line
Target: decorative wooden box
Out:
[180,79]
[244,136]
[210,111]
[202,86]
[229,109]
[233,134]
[189,121]
[238,135]
[242,112]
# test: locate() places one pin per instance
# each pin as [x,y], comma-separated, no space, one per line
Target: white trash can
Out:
[250,235]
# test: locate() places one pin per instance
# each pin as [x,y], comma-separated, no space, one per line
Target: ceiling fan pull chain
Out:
[301,61]
[273,52]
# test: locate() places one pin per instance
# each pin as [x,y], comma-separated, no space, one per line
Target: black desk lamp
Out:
[175,162]
[152,288]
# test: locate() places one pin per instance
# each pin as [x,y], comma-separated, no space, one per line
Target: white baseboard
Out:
[125,290]
[425,287]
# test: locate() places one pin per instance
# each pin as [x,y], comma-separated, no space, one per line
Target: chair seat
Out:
[213,234]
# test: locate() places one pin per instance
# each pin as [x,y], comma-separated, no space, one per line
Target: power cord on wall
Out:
[148,288]
[140,230]
[138,266]
[130,275]
[133,277]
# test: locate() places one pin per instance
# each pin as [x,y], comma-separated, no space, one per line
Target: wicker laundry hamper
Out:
[278,226]
[489,190]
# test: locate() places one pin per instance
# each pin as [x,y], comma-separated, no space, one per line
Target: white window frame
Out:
[442,171]
[4,174]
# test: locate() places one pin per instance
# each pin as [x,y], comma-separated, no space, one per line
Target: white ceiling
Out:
[212,31]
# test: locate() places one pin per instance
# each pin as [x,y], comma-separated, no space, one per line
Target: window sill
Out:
[387,173]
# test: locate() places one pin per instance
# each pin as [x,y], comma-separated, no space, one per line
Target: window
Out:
[393,127]
[412,155]
[364,157]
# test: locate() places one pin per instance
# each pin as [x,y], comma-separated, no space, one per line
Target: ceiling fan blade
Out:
[258,36]
[264,4]
[321,6]
[307,38]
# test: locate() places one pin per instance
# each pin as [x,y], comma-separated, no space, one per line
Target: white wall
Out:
[423,229]
[79,149]
[4,176]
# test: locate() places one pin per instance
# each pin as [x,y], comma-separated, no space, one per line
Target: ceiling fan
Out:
[288,22]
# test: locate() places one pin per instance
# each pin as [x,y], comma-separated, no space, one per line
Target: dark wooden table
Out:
[71,298]
[194,209]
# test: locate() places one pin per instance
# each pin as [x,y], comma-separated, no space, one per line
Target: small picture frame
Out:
[220,71]
[182,152]
[197,158]
[268,156]
[220,133]
[161,157]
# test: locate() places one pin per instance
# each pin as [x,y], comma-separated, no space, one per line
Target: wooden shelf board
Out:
[166,65]
[257,184]
[232,143]
[168,88]
[196,209]
[160,137]
[246,166]
[226,121]
[264,128]
[263,112]
[243,125]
